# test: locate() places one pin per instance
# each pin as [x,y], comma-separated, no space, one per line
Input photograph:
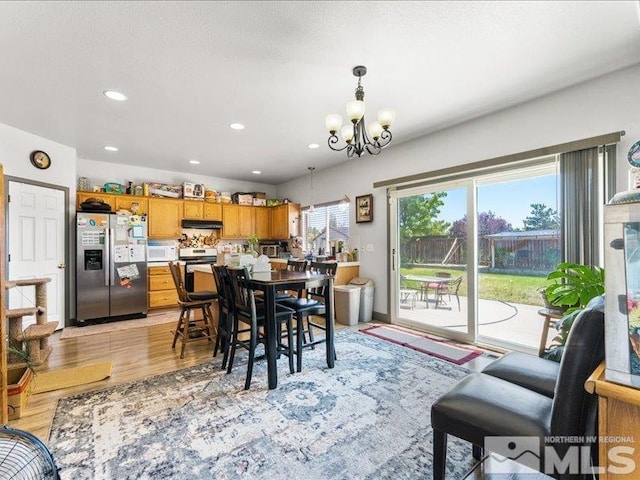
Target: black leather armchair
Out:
[483,405]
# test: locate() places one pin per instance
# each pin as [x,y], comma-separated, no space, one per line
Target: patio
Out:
[503,321]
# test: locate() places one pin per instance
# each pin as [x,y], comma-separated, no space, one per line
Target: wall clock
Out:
[40,159]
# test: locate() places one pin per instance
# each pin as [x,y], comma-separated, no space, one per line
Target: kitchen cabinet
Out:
[262,222]
[165,218]
[105,197]
[123,202]
[212,211]
[162,290]
[193,210]
[285,221]
[237,221]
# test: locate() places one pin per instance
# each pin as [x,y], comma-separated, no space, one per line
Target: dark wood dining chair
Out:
[306,305]
[226,308]
[191,329]
[252,316]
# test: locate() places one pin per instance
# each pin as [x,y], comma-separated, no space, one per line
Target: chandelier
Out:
[355,135]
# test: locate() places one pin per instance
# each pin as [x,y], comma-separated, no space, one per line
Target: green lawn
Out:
[492,286]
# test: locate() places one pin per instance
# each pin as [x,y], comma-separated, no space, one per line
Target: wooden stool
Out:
[189,329]
[550,317]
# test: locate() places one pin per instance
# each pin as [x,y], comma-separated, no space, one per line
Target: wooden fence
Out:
[519,253]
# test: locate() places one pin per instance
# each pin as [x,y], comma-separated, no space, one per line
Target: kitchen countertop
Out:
[163,264]
[340,264]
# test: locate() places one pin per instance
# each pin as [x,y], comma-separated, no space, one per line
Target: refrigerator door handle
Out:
[107,256]
[112,249]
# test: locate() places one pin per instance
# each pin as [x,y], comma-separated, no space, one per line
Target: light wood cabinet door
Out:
[285,221]
[246,221]
[164,218]
[279,222]
[193,210]
[230,221]
[262,222]
[124,202]
[105,197]
[212,211]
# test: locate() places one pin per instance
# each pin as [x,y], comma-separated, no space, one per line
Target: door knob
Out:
[61,265]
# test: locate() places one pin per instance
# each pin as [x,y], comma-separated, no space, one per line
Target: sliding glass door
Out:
[431,276]
[468,258]
[518,239]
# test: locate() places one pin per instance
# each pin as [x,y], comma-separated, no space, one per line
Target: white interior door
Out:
[36,246]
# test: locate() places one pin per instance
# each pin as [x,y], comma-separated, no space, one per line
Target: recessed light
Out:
[113,95]
[109,148]
[313,145]
[194,162]
[256,172]
[237,126]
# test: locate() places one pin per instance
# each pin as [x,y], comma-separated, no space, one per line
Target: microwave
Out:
[271,251]
[161,253]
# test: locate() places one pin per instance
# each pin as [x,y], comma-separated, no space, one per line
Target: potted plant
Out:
[572,287]
[19,382]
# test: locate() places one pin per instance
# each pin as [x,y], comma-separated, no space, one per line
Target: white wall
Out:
[100,173]
[607,104]
[15,149]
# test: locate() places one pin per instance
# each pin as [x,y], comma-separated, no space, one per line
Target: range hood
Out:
[202,224]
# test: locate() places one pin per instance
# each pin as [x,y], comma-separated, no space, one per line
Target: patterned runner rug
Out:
[369,417]
[423,343]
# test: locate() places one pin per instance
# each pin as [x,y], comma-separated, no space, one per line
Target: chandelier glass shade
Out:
[357,138]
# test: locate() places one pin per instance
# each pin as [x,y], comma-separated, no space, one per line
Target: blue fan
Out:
[24,457]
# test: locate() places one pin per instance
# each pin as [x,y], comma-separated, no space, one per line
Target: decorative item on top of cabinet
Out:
[105,198]
[162,290]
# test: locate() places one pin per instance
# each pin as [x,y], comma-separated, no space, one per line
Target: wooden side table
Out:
[550,317]
[618,419]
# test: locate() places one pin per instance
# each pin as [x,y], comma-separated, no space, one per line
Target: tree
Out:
[418,214]
[542,218]
[488,223]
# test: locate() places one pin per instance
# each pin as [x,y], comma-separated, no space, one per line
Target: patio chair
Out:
[450,288]
[408,295]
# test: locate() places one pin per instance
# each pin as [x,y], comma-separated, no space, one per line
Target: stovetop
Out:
[198,255]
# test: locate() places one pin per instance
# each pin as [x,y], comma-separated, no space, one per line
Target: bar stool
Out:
[189,329]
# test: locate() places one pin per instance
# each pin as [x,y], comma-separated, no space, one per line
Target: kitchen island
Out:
[203,278]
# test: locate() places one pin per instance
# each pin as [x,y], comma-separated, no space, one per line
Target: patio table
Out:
[424,288]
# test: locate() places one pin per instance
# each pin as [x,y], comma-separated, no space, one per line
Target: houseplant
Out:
[19,382]
[571,286]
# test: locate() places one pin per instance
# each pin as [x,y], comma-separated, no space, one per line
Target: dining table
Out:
[426,282]
[274,280]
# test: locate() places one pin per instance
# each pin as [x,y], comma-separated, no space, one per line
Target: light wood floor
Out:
[136,354]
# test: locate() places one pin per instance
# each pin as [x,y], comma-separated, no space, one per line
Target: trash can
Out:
[366,297]
[347,303]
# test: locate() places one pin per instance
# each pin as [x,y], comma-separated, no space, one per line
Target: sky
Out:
[510,200]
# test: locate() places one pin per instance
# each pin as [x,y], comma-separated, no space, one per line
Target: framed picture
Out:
[364,209]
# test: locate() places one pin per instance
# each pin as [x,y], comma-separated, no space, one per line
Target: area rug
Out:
[369,417]
[149,321]
[70,377]
[423,343]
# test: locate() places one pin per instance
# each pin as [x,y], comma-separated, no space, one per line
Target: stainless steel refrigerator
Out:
[111,266]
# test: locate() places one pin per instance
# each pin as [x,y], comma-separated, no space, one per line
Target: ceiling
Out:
[191,69]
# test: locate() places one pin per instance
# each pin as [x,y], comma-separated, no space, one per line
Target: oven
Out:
[193,257]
